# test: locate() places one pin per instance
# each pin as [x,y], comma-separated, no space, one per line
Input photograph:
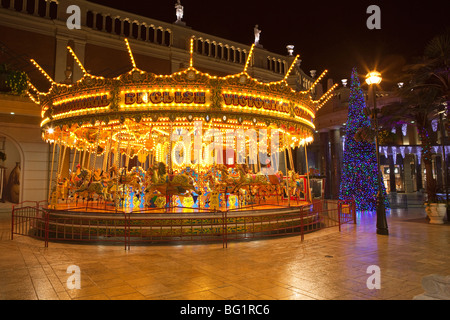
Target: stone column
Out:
[80,52]
[419,174]
[104,23]
[392,185]
[24,6]
[94,20]
[36,8]
[121,27]
[60,58]
[47,9]
[439,170]
[113,24]
[324,165]
[408,163]
[139,32]
[147,33]
[335,153]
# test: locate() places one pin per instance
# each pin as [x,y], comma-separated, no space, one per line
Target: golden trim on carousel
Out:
[186,140]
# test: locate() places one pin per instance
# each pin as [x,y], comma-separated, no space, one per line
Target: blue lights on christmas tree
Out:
[359,178]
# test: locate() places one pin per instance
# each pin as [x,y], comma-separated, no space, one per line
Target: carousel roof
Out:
[138,103]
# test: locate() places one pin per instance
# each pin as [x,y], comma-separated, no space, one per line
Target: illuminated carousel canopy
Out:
[137,110]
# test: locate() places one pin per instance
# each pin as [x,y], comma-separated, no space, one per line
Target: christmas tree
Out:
[359,179]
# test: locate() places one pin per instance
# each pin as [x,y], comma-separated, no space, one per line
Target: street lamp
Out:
[373,79]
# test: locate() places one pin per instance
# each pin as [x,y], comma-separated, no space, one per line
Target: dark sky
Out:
[327,34]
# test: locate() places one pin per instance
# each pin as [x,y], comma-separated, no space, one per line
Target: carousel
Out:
[187,142]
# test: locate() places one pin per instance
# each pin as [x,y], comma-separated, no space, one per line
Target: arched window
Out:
[134,30]
[31,7]
[108,24]
[117,25]
[143,32]
[159,36]
[151,34]
[206,50]
[219,51]
[198,46]
[5,3]
[167,37]
[99,22]
[89,19]
[213,49]
[225,53]
[126,28]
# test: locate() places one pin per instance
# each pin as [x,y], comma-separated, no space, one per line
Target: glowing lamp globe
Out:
[373,77]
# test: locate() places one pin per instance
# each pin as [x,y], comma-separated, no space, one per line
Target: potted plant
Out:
[17,82]
[12,81]
[436,211]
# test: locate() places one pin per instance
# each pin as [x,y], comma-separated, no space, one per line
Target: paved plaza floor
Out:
[327,265]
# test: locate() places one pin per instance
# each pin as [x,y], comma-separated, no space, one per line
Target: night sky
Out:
[327,35]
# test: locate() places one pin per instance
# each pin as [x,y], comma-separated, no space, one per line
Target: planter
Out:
[436,212]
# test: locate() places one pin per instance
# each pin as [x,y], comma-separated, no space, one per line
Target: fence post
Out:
[125,231]
[46,231]
[301,223]
[226,228]
[339,214]
[12,222]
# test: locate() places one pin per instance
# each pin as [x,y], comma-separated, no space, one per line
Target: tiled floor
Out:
[328,265]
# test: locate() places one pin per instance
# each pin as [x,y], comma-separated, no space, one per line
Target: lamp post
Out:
[373,79]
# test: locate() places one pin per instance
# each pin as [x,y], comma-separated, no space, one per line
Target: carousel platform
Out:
[90,222]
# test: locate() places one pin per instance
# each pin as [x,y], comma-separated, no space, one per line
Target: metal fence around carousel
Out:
[36,220]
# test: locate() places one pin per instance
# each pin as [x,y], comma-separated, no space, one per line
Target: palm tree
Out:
[424,95]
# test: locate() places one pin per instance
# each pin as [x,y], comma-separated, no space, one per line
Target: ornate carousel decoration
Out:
[187,140]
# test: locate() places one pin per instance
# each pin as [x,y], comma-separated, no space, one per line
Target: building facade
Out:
[39,30]
[400,154]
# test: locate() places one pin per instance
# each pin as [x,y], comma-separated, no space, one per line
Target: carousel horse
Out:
[276,183]
[247,178]
[89,187]
[120,181]
[218,180]
[130,178]
[295,184]
[61,188]
[158,181]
